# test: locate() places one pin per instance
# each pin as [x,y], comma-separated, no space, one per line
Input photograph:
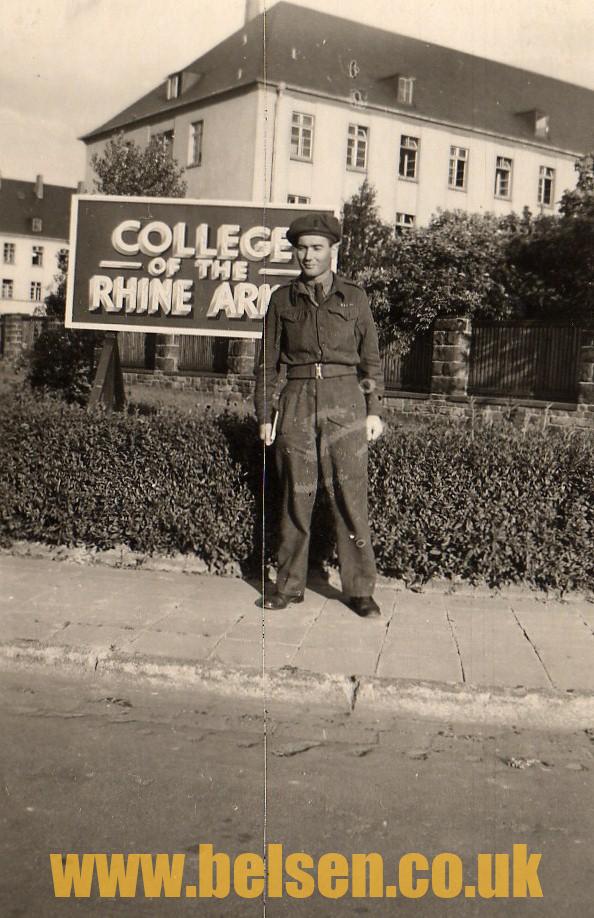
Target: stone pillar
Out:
[12,335]
[451,356]
[586,368]
[241,356]
[167,353]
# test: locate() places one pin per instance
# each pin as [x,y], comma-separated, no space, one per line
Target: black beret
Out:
[314,225]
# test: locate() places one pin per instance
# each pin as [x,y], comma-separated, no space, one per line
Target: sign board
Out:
[176,266]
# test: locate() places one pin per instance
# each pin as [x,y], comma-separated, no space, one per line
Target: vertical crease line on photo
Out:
[263,508]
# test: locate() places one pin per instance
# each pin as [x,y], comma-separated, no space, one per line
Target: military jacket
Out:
[340,330]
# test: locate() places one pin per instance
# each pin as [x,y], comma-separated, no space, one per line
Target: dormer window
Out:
[173,86]
[541,125]
[406,89]
[36,224]
[538,122]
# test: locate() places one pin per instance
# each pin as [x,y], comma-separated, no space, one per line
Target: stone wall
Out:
[448,397]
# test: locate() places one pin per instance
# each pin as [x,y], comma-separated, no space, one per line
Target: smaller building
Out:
[34,227]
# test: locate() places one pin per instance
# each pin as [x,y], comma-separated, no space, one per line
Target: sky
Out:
[66,66]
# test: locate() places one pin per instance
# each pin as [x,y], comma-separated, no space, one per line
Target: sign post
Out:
[108,385]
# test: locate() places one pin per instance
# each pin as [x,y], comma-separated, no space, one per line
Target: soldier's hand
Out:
[266,434]
[375,426]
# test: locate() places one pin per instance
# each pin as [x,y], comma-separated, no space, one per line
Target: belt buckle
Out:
[318,367]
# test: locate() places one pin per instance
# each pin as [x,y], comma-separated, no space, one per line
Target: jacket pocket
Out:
[347,313]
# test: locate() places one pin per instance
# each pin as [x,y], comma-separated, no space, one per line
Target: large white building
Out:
[34,227]
[323,103]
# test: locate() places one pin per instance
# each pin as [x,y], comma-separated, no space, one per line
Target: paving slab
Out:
[187,622]
[171,645]
[484,638]
[586,613]
[270,632]
[24,626]
[96,637]
[328,659]
[359,634]
[562,641]
[413,656]
[494,650]
[251,654]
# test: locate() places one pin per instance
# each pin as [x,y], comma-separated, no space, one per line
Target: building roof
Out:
[315,51]
[19,205]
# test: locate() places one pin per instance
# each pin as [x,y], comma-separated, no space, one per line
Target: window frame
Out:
[542,179]
[304,199]
[499,170]
[173,86]
[9,253]
[36,225]
[298,124]
[37,251]
[192,134]
[406,149]
[34,289]
[405,92]
[169,137]
[7,288]
[454,162]
[354,141]
[402,226]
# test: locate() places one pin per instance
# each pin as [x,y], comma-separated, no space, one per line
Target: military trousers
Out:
[322,437]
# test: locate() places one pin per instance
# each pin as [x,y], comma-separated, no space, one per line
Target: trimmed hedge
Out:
[494,504]
[497,504]
[159,483]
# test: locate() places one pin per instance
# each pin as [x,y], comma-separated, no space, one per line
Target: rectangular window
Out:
[297,199]
[404,222]
[7,289]
[457,170]
[406,88]
[541,125]
[195,143]
[503,176]
[302,128]
[167,138]
[357,143]
[35,292]
[36,224]
[173,86]
[37,256]
[9,253]
[546,184]
[409,155]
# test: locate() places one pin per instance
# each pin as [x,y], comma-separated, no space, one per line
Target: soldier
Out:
[321,327]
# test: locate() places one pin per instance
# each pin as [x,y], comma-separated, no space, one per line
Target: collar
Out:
[299,286]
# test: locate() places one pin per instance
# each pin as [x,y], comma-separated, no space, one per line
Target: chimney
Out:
[39,187]
[253,8]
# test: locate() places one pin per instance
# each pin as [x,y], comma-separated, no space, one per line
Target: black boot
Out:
[365,606]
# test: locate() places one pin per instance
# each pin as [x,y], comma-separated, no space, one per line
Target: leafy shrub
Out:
[499,505]
[62,361]
[159,483]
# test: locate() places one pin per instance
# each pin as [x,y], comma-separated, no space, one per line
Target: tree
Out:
[55,302]
[63,359]
[365,238]
[126,168]
[457,265]
[555,259]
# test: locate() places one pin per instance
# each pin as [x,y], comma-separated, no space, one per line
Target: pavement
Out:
[469,649]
